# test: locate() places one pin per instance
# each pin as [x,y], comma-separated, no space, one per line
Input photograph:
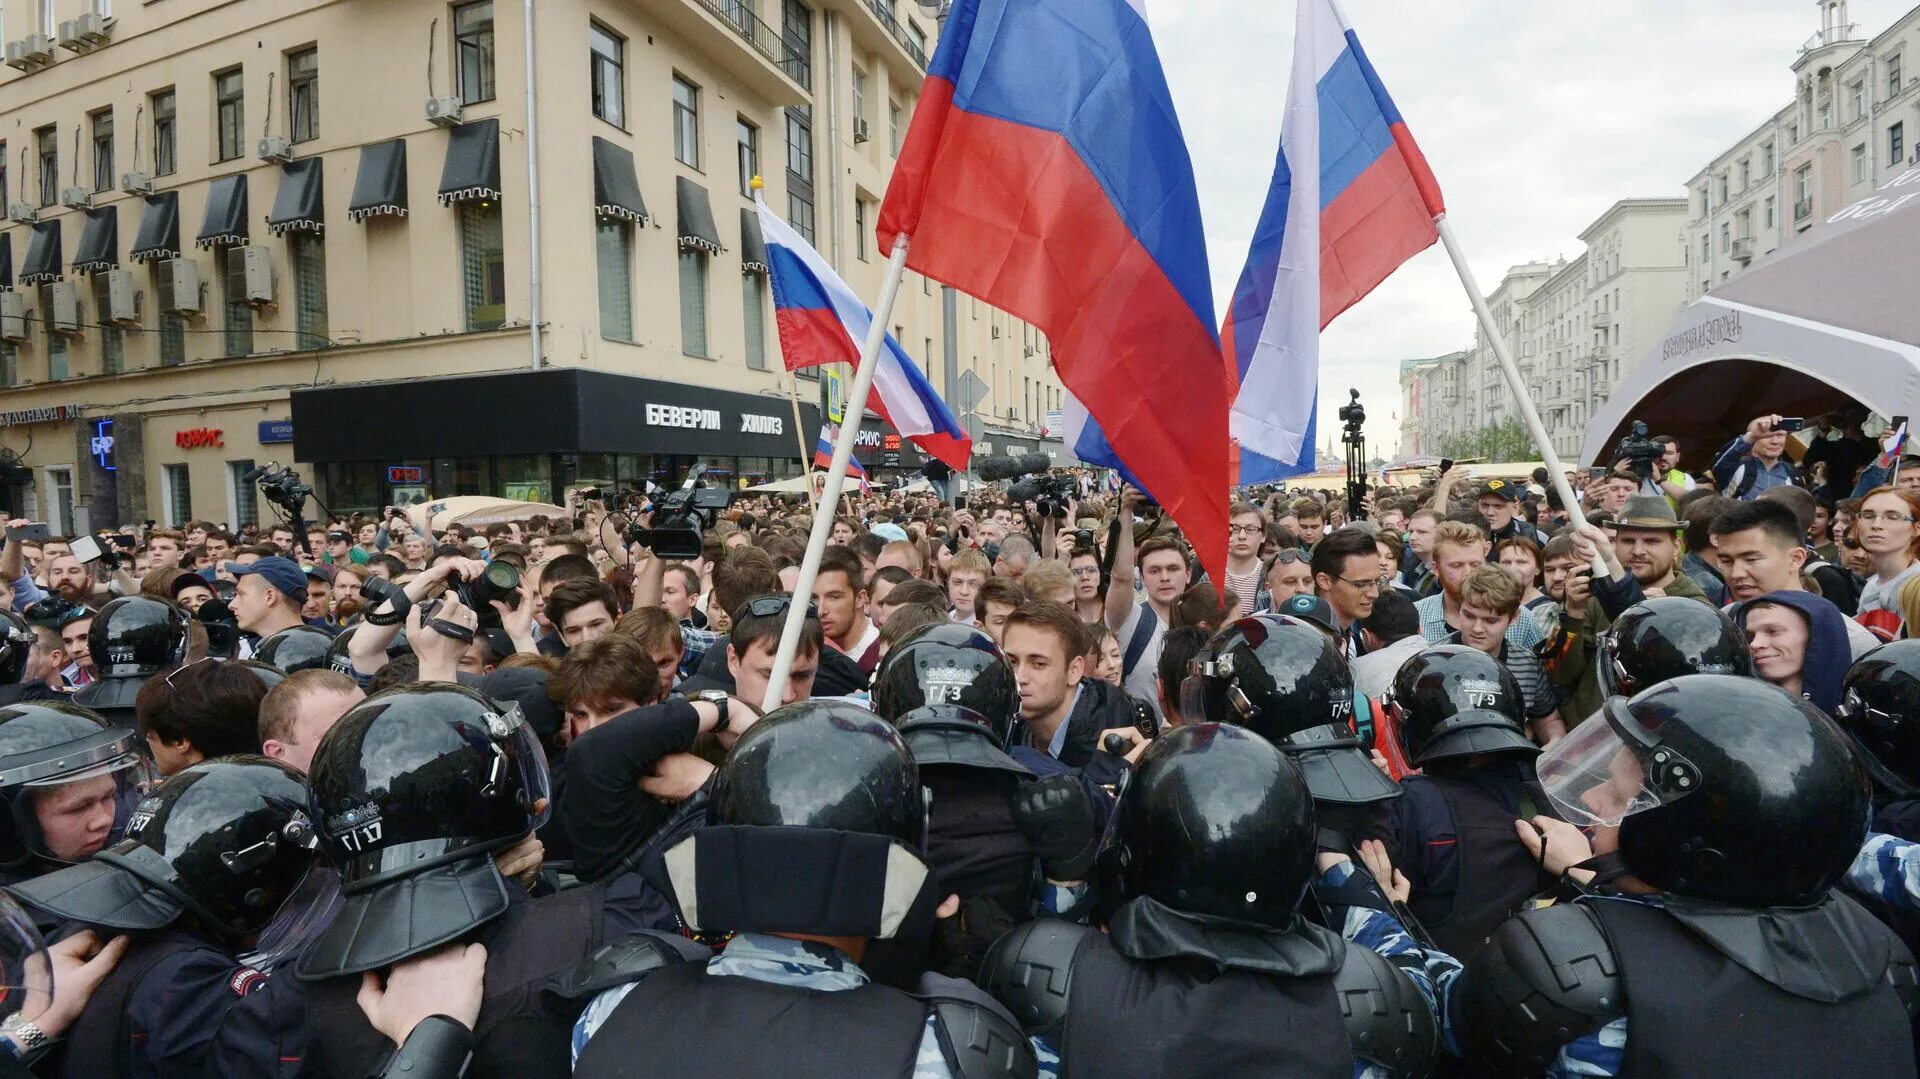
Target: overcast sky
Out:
[1535,117]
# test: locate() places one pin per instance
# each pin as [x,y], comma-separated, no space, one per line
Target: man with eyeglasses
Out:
[1245,527]
[1088,603]
[1346,569]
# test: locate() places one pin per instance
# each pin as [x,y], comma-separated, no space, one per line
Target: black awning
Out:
[753,246]
[226,220]
[696,218]
[99,242]
[159,236]
[616,188]
[43,254]
[297,205]
[472,170]
[6,260]
[380,187]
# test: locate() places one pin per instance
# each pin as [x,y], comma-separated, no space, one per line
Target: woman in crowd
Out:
[1888,528]
[1521,557]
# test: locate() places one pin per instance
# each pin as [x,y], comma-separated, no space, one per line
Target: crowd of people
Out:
[1438,783]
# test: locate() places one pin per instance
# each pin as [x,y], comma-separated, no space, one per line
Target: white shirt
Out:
[1373,673]
[1141,682]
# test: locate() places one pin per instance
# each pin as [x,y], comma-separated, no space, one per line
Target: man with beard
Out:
[1459,549]
[1643,559]
[67,578]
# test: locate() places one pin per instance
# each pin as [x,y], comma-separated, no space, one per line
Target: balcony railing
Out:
[897,31]
[1821,39]
[768,42]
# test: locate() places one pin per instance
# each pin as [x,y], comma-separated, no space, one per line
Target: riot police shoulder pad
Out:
[631,958]
[1030,970]
[1388,1021]
[977,1037]
[1543,979]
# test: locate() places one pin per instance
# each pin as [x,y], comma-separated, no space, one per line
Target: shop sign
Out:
[866,440]
[761,425]
[696,419]
[52,414]
[101,445]
[273,431]
[890,443]
[403,474]
[196,438]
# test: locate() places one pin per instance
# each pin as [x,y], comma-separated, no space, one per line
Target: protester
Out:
[1888,529]
[1139,623]
[1798,642]
[1459,549]
[1755,461]
[1759,549]
[1389,636]
[1289,574]
[1489,604]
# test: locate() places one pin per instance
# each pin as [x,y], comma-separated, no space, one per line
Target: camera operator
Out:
[1755,461]
[385,619]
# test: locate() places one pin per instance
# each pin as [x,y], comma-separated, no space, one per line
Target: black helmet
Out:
[1455,701]
[1666,637]
[16,643]
[412,790]
[1215,822]
[54,612]
[1724,788]
[1880,708]
[950,734]
[24,985]
[947,663]
[60,753]
[269,675]
[1284,679]
[138,637]
[340,659]
[225,841]
[823,764]
[297,648]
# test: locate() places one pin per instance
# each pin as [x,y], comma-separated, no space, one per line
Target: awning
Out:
[226,220]
[696,218]
[380,187]
[616,189]
[99,242]
[159,236]
[43,254]
[753,246]
[472,170]
[6,260]
[297,204]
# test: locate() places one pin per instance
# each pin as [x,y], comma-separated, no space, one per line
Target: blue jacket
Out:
[1736,470]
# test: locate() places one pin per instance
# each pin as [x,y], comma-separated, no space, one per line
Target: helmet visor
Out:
[71,817]
[520,765]
[1604,771]
[26,976]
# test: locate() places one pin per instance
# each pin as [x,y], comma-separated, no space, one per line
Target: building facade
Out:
[215,209]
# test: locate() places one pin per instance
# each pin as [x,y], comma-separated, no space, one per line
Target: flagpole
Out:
[836,474]
[1556,472]
[800,434]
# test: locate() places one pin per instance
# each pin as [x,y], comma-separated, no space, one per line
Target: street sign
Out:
[973,390]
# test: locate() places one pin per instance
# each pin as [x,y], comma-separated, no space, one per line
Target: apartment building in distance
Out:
[305,231]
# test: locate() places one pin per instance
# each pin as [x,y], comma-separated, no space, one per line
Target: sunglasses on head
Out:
[772,606]
[1293,554]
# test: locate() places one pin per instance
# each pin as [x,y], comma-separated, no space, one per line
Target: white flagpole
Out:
[1556,473]
[836,475]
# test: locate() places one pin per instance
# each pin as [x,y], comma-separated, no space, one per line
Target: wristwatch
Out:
[719,699]
[31,1039]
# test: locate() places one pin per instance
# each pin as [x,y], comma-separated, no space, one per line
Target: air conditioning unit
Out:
[37,48]
[76,198]
[136,183]
[13,316]
[17,56]
[95,29]
[122,299]
[64,313]
[250,274]
[180,287]
[1743,250]
[68,35]
[275,149]
[859,130]
[24,213]
[443,111]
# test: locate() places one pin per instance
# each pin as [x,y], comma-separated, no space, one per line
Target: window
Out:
[1856,99]
[56,342]
[747,146]
[613,255]
[800,169]
[859,97]
[47,140]
[605,53]
[1726,237]
[307,253]
[113,348]
[753,301]
[919,39]
[860,228]
[796,34]
[179,494]
[1803,183]
[686,122]
[483,267]
[3,175]
[9,364]
[243,501]
[1746,173]
[1766,159]
[173,328]
[303,95]
[473,51]
[102,150]
[166,157]
[693,303]
[1897,144]
[800,214]
[60,499]
[239,315]
[1859,157]
[893,126]
[230,113]
[1771,220]
[1893,76]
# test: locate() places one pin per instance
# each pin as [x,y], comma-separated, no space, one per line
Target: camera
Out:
[680,518]
[499,581]
[1353,414]
[1049,494]
[1641,453]
[281,486]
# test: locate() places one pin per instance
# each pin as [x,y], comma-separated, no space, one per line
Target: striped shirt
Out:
[1524,633]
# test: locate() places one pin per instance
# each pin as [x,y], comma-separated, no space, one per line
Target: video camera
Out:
[281,486]
[1641,453]
[1354,415]
[680,518]
[1049,493]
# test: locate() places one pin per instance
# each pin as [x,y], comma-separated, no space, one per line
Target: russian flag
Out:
[1352,198]
[821,321]
[1045,173]
[823,458]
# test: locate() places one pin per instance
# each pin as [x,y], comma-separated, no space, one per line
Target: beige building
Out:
[218,212]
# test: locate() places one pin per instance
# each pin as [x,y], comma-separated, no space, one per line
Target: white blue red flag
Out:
[1352,198]
[821,321]
[1045,173]
[823,458]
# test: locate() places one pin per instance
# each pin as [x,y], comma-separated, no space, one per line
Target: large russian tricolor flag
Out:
[1352,198]
[1045,173]
[821,321]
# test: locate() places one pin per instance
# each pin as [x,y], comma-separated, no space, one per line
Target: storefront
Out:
[535,434]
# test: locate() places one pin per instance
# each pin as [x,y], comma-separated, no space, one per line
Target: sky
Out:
[1534,116]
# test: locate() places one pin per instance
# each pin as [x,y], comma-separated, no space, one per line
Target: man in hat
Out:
[1642,553]
[1497,501]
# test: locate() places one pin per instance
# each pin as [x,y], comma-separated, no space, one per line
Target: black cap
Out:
[1507,489]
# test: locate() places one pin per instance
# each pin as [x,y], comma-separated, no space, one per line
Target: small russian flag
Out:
[823,458]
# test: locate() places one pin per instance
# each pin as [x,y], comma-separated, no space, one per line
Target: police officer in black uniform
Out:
[1725,811]
[297,648]
[132,639]
[1208,966]
[69,780]
[16,647]
[814,850]
[209,857]
[1665,637]
[1880,709]
[413,790]
[1461,719]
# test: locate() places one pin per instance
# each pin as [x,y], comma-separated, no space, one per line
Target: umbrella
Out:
[797,485]
[476,511]
[1829,319]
